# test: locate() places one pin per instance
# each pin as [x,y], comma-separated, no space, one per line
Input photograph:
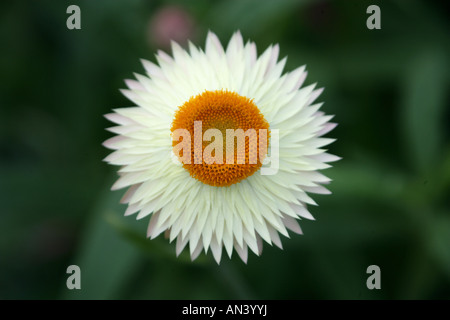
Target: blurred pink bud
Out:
[170,23]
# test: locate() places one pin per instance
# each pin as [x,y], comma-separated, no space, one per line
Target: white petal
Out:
[302,212]
[318,190]
[152,224]
[181,243]
[242,251]
[216,250]
[197,251]
[130,192]
[292,224]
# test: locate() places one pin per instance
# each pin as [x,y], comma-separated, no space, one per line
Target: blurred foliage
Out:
[390,205]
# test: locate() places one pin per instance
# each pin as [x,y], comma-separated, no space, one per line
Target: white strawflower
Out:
[191,194]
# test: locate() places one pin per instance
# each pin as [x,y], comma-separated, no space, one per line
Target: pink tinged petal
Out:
[237,231]
[188,222]
[318,190]
[146,211]
[275,237]
[134,85]
[318,114]
[250,55]
[113,156]
[273,59]
[194,237]
[175,230]
[130,192]
[152,69]
[321,142]
[292,224]
[167,211]
[202,218]
[326,157]
[262,230]
[253,52]
[228,243]
[206,237]
[295,79]
[247,221]
[302,212]
[314,95]
[166,63]
[194,52]
[197,251]
[163,57]
[132,208]
[121,159]
[308,91]
[318,124]
[132,96]
[327,128]
[242,251]
[126,180]
[111,143]
[296,108]
[160,230]
[181,243]
[260,67]
[277,70]
[287,112]
[314,176]
[219,229]
[213,44]
[152,225]
[236,43]
[260,244]
[306,114]
[317,165]
[119,119]
[150,189]
[320,120]
[286,209]
[123,130]
[251,242]
[274,220]
[148,208]
[301,79]
[145,82]
[306,199]
[216,250]
[178,53]
[134,113]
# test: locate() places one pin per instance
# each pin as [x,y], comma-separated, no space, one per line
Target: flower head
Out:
[221,149]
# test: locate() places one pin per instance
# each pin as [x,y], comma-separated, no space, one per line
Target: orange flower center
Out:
[233,150]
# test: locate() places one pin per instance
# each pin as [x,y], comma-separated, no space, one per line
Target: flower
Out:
[212,193]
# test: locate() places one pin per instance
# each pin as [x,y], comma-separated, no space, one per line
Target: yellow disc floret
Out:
[227,112]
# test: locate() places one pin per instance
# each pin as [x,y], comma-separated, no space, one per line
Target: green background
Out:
[388,90]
